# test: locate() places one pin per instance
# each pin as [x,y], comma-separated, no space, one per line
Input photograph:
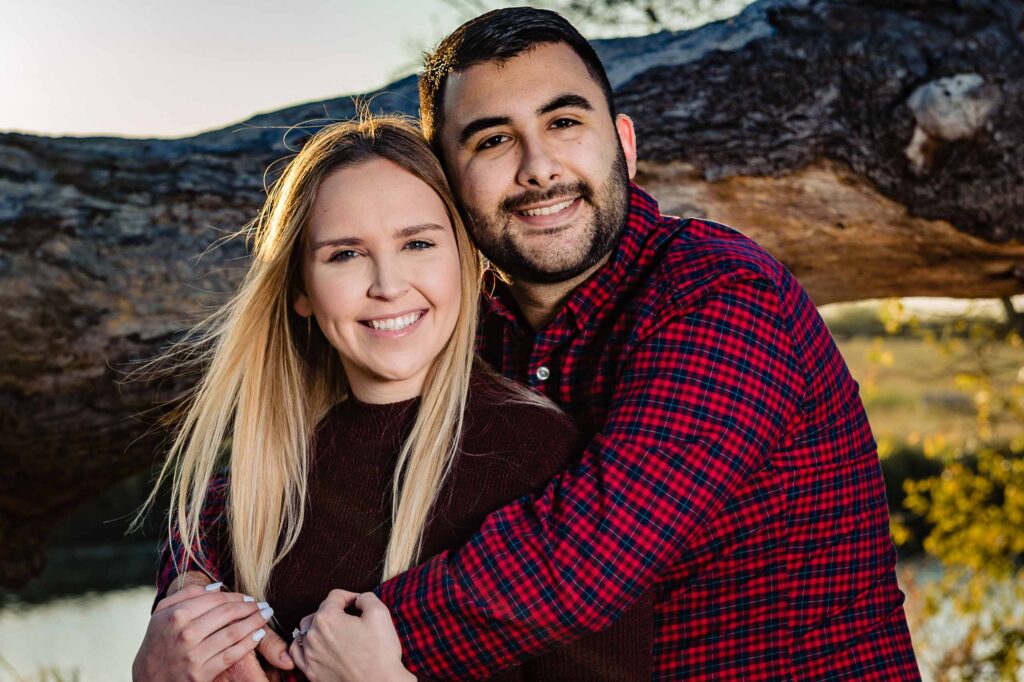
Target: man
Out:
[731,464]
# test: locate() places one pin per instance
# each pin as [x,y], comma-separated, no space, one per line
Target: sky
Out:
[174,68]
[169,69]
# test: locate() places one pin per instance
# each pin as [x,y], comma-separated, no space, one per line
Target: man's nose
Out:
[389,280]
[538,166]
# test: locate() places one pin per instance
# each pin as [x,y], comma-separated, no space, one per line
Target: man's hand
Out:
[337,646]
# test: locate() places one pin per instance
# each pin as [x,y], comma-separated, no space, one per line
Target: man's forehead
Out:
[486,88]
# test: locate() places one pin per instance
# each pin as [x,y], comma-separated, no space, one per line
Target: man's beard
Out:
[609,205]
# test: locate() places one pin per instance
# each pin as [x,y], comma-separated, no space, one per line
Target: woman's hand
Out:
[197,633]
[338,646]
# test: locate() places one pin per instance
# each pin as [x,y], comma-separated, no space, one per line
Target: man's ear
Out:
[302,306]
[627,138]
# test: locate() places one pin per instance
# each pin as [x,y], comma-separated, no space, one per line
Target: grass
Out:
[936,375]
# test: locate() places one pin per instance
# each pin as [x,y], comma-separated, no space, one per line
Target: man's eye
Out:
[565,123]
[342,256]
[419,245]
[492,141]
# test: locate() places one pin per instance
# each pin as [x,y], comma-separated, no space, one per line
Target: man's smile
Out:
[551,214]
[548,208]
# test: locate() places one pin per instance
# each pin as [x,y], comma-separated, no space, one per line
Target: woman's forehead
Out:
[373,198]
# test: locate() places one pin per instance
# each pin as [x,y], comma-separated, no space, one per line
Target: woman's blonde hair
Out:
[268,376]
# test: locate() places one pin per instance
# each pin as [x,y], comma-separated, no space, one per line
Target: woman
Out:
[363,436]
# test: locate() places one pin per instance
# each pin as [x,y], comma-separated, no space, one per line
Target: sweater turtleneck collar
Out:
[377,421]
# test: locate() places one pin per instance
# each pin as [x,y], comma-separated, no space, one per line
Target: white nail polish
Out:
[262,605]
[212,587]
[267,612]
[259,634]
[248,598]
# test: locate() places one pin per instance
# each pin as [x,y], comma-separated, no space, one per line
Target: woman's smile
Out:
[395,326]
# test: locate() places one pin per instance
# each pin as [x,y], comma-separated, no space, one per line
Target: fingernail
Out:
[267,612]
[259,634]
[248,598]
[285,658]
[262,605]
[212,587]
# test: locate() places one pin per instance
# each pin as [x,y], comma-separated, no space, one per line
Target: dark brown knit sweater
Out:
[508,449]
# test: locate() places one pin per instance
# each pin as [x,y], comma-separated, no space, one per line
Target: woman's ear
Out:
[302,306]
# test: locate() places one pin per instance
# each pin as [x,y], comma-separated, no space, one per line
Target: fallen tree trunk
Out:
[873,147]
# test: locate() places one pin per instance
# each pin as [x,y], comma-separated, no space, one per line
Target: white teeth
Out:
[396,323]
[548,210]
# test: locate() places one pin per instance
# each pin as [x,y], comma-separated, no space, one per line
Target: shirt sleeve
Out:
[210,550]
[622,653]
[705,394]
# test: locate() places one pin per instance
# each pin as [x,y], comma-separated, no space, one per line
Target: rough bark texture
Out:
[874,147]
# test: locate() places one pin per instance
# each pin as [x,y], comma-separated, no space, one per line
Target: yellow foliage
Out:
[891,314]
[973,511]
[899,531]
[879,354]
[935,445]
[976,513]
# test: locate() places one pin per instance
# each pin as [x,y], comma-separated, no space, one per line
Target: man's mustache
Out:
[529,197]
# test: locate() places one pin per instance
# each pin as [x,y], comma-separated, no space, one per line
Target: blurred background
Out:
[817,167]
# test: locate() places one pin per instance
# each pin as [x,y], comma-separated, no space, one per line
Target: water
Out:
[83,619]
[88,638]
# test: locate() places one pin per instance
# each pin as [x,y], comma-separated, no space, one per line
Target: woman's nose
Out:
[389,280]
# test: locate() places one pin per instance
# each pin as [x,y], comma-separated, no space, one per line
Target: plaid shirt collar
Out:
[641,220]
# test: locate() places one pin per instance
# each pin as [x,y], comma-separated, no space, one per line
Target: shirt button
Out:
[543,373]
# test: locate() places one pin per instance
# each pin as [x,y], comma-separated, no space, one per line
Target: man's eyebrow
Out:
[568,99]
[476,125]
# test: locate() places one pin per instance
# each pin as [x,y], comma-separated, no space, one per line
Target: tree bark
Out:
[873,147]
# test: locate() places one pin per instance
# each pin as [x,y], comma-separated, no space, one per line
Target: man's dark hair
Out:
[498,35]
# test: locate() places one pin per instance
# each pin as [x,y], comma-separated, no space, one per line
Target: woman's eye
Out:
[492,141]
[419,245]
[342,255]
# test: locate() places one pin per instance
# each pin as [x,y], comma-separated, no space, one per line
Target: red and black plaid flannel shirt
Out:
[731,466]
[213,550]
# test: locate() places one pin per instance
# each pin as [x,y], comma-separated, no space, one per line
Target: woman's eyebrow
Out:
[340,241]
[402,233]
[416,229]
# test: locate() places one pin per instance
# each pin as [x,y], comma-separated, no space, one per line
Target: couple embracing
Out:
[622,447]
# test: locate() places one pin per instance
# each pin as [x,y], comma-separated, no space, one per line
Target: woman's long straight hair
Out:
[268,375]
